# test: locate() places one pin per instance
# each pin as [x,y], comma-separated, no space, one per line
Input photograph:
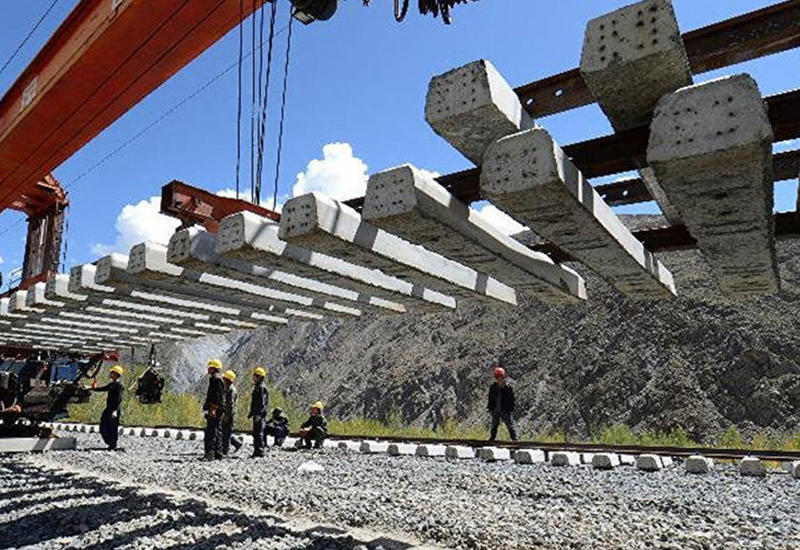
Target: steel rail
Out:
[677,237]
[749,36]
[711,452]
[665,450]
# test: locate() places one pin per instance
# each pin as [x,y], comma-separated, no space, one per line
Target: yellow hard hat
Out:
[230,375]
[119,370]
[260,371]
[317,405]
[215,364]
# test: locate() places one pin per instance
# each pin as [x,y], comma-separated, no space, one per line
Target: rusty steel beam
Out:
[627,150]
[464,185]
[103,59]
[46,196]
[756,34]
[784,114]
[677,237]
[192,205]
[772,29]
[785,166]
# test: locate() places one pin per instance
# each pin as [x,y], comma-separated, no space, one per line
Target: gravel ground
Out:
[466,504]
[44,507]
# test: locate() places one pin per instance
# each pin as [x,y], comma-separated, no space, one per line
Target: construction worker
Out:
[229,414]
[109,420]
[501,404]
[315,429]
[258,412]
[278,427]
[213,411]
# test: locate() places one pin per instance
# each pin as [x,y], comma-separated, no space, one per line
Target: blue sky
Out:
[358,80]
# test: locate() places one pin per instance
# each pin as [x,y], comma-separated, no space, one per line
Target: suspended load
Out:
[150,385]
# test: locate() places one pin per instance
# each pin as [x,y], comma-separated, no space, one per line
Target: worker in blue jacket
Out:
[278,427]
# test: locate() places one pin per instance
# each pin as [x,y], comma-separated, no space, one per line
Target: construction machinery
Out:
[36,387]
[107,56]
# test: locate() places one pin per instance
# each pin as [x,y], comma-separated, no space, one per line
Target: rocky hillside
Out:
[698,361]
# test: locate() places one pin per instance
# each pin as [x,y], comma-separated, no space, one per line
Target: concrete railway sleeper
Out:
[750,462]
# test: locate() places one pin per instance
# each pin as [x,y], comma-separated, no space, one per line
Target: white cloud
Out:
[247,196]
[430,173]
[1,260]
[230,193]
[501,220]
[138,223]
[339,174]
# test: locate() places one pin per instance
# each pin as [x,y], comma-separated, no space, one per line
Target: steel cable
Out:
[239,100]
[283,111]
[30,33]
[265,105]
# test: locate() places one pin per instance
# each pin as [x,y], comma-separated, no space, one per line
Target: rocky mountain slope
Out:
[699,361]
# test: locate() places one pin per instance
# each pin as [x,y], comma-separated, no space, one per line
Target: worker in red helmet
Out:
[501,404]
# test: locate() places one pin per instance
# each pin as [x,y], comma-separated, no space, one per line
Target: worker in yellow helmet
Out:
[109,420]
[315,429]
[213,411]
[258,411]
[229,414]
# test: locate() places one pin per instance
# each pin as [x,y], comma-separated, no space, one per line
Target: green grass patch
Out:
[185,410]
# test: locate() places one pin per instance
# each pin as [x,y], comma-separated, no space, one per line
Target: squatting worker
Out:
[109,420]
[258,412]
[278,427]
[213,410]
[229,414]
[315,429]
[501,404]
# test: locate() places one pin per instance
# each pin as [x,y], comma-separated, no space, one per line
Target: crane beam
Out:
[103,59]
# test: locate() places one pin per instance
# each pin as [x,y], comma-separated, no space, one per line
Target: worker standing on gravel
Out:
[213,410]
[501,404]
[315,429]
[258,412]
[109,420]
[278,427]
[229,414]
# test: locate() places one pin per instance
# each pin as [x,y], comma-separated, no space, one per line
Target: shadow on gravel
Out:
[155,513]
[29,488]
[31,502]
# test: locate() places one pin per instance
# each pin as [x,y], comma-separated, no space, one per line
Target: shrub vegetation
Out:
[185,410]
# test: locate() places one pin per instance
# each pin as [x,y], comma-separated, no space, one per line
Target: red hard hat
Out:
[499,372]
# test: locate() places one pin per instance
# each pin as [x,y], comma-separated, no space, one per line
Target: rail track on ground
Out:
[717,453]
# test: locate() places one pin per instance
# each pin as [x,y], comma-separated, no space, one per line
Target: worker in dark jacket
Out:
[315,429]
[229,414]
[213,411]
[258,412]
[501,404]
[109,420]
[278,427]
